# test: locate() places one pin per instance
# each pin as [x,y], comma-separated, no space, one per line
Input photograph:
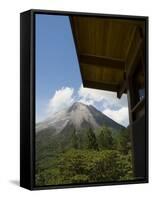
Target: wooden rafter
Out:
[134,52]
[99,85]
[102,61]
[135,59]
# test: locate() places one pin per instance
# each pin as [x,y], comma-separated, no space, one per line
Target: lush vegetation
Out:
[94,156]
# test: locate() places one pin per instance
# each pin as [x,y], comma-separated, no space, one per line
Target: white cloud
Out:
[120,116]
[92,96]
[93,93]
[61,99]
[106,102]
[86,101]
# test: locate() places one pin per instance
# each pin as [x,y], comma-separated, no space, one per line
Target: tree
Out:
[79,166]
[124,142]
[92,142]
[105,138]
[74,140]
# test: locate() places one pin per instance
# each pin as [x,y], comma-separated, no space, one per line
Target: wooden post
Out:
[137,130]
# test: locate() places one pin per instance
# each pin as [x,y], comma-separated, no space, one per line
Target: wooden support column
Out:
[137,124]
[137,130]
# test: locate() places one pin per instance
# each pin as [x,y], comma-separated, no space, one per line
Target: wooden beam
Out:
[132,38]
[138,106]
[134,53]
[101,85]
[132,59]
[122,89]
[102,61]
[135,59]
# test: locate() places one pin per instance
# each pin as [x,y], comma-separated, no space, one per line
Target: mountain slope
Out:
[79,116]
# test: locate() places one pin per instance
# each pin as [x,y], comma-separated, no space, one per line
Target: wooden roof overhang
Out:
[108,50]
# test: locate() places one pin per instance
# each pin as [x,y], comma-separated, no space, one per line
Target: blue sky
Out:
[56,61]
[58,79]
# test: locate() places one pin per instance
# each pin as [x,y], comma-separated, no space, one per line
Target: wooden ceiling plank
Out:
[92,55]
[131,40]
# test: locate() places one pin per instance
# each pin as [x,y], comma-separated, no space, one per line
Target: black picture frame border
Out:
[27,97]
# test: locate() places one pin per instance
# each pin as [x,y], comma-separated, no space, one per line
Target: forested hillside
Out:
[83,153]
